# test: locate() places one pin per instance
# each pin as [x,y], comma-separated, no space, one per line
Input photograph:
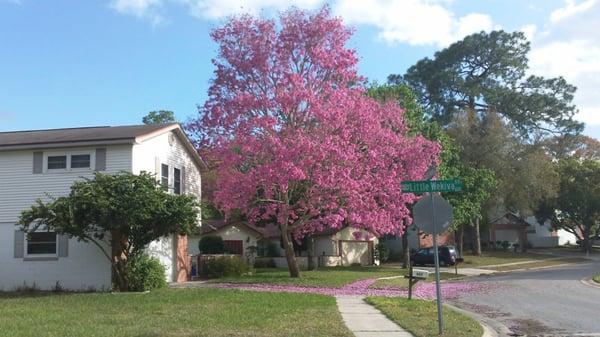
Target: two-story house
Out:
[42,163]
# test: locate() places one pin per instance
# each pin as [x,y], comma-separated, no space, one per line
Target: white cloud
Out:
[570,47]
[571,8]
[218,9]
[416,22]
[529,31]
[139,8]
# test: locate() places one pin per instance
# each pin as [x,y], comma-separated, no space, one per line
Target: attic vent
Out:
[171,139]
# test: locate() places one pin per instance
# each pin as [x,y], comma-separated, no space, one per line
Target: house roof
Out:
[209,226]
[267,232]
[76,135]
[510,218]
[89,136]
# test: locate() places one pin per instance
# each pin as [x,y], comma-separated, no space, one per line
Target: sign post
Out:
[433,215]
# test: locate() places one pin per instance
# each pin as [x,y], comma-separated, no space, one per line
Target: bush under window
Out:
[145,273]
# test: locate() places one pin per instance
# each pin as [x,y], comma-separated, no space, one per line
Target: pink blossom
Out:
[362,288]
[292,136]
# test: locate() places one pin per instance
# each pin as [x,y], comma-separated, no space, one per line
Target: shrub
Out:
[224,266]
[265,263]
[505,245]
[145,273]
[382,252]
[211,244]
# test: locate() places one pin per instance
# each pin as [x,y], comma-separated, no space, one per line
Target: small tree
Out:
[576,208]
[159,117]
[122,212]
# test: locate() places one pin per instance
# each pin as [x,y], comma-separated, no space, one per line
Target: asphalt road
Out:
[540,302]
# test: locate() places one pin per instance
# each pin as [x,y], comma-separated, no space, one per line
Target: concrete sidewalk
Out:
[366,321]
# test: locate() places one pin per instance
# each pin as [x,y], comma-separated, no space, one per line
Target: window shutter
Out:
[19,242]
[101,159]
[38,162]
[183,181]
[63,245]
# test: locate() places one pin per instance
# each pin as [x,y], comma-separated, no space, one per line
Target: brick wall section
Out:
[442,239]
[183,260]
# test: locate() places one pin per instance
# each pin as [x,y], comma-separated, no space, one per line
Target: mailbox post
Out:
[414,275]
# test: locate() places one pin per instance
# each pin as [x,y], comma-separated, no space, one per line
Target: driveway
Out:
[540,302]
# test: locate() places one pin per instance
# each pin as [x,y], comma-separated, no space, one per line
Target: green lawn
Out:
[333,277]
[402,283]
[489,258]
[420,317]
[596,278]
[171,313]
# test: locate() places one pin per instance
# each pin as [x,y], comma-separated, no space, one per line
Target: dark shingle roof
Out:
[75,135]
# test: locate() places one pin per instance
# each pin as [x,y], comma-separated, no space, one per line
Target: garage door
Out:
[355,252]
[510,235]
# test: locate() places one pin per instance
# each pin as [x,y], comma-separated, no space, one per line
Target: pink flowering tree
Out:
[293,137]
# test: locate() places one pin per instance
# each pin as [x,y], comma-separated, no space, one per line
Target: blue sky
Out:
[67,63]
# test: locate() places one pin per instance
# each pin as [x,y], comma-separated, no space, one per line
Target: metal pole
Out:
[437,267]
[410,280]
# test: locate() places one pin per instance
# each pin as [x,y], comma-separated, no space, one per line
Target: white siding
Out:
[167,149]
[19,187]
[174,154]
[85,266]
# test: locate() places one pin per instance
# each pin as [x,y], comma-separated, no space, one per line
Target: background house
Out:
[42,163]
[332,247]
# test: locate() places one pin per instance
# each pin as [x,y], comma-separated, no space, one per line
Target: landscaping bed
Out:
[402,283]
[419,317]
[171,312]
[333,277]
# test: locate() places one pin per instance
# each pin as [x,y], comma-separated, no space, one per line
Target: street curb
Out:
[590,283]
[491,328]
[539,268]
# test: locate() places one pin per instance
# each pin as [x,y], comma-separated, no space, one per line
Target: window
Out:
[80,161]
[164,176]
[176,181]
[41,243]
[57,162]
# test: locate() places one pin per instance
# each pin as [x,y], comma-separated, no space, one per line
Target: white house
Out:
[332,247]
[42,163]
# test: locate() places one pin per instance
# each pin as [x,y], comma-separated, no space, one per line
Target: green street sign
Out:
[452,185]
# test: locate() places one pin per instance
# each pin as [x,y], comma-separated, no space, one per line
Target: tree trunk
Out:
[290,256]
[405,249]
[477,237]
[119,261]
[460,238]
[587,243]
[311,253]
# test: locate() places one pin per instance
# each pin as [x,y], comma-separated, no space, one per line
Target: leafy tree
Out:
[469,205]
[295,138]
[486,72]
[572,146]
[576,208]
[524,173]
[122,212]
[159,117]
